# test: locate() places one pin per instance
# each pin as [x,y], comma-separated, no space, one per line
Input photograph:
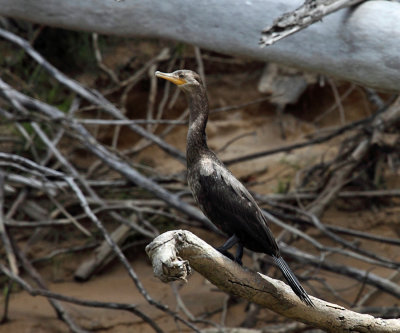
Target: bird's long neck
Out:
[196,138]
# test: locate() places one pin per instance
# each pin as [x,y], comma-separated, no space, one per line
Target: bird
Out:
[220,195]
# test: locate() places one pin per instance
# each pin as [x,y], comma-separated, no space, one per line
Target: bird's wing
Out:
[227,202]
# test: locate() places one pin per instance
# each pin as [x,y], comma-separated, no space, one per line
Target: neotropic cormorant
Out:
[221,197]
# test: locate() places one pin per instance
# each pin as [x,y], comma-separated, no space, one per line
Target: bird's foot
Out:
[225,253]
[232,241]
[229,255]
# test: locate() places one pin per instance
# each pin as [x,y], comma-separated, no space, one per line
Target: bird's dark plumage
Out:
[221,197]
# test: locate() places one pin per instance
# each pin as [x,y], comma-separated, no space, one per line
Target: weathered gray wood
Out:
[174,252]
[362,45]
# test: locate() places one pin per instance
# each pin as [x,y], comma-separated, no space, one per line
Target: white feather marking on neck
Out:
[207,166]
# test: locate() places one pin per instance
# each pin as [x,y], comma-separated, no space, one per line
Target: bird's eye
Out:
[181,76]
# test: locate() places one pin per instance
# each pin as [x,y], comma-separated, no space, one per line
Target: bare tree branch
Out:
[101,152]
[317,140]
[174,252]
[93,96]
[54,296]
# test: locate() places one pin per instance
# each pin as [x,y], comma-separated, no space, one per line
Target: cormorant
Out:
[221,197]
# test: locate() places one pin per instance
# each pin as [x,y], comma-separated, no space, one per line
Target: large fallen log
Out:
[356,44]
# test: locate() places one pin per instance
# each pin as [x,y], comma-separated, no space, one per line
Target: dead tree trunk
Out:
[352,44]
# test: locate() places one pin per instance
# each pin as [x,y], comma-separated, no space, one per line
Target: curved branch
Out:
[174,252]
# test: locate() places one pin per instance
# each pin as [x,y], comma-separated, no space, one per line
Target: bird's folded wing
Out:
[228,201]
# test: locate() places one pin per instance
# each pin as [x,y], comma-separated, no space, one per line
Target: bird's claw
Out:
[229,255]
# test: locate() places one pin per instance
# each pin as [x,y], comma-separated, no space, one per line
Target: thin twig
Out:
[335,105]
[101,152]
[35,276]
[12,260]
[338,101]
[200,65]
[128,122]
[317,140]
[152,96]
[99,59]
[93,96]
[354,273]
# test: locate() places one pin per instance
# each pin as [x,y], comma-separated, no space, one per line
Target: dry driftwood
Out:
[174,252]
[357,45]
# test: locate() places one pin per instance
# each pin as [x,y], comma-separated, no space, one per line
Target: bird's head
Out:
[185,79]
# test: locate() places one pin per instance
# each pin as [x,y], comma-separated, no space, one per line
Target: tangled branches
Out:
[43,188]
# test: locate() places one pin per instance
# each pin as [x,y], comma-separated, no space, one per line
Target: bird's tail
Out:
[292,280]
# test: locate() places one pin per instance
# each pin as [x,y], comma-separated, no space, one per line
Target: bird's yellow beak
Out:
[171,77]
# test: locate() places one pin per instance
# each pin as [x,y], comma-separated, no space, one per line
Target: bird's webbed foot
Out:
[231,242]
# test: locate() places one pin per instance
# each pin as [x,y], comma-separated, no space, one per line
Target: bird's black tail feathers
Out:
[292,280]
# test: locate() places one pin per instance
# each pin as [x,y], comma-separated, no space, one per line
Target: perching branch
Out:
[175,252]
